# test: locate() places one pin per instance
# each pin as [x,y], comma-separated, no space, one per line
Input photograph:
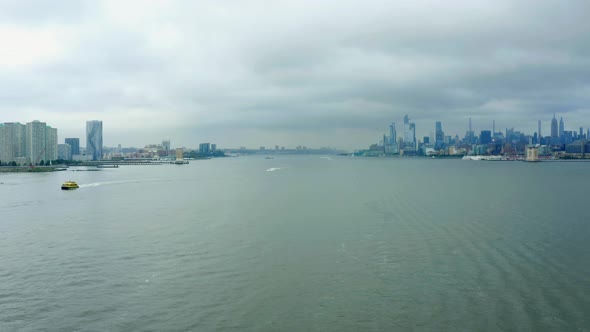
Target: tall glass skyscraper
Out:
[94,139]
[439,135]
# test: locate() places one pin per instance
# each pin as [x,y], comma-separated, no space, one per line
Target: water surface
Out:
[298,243]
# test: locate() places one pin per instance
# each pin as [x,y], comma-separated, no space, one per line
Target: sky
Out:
[318,73]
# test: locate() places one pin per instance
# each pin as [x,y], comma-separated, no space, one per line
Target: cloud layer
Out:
[321,73]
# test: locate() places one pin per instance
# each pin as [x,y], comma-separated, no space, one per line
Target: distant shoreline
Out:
[28,169]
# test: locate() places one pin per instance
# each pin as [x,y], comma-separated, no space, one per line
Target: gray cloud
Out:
[288,73]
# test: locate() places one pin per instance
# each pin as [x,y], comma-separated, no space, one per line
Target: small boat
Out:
[107,166]
[68,185]
[268,157]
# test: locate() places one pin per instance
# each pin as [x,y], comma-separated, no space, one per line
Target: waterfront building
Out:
[35,141]
[214,147]
[579,147]
[74,143]
[50,143]
[179,154]
[64,152]
[532,153]
[94,139]
[12,141]
[205,148]
[166,146]
[439,136]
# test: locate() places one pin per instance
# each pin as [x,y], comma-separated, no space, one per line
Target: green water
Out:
[298,244]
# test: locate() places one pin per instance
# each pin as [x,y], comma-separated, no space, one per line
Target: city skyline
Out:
[435,138]
[292,73]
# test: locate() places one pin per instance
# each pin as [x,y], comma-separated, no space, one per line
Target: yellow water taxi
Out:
[68,185]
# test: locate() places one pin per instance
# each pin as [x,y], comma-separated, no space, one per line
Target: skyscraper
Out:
[561,130]
[94,139]
[204,148]
[12,141]
[50,143]
[74,144]
[409,133]
[35,141]
[166,146]
[392,133]
[485,137]
[554,137]
[439,135]
[539,136]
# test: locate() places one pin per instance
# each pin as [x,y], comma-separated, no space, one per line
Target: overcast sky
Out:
[317,73]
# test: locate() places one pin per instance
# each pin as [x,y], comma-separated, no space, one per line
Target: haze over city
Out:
[290,72]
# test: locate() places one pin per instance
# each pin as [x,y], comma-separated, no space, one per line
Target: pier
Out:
[137,162]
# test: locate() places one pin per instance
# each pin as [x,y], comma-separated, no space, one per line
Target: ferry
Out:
[69,185]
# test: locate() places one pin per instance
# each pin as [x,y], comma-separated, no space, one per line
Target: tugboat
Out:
[69,185]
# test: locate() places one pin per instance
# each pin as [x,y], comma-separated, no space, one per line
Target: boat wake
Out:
[96,184]
[272,169]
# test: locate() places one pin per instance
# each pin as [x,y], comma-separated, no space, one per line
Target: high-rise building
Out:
[205,148]
[561,130]
[439,136]
[409,133]
[94,139]
[470,135]
[50,143]
[35,140]
[539,136]
[179,154]
[12,141]
[554,136]
[166,146]
[532,153]
[64,152]
[392,134]
[214,147]
[485,137]
[74,143]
